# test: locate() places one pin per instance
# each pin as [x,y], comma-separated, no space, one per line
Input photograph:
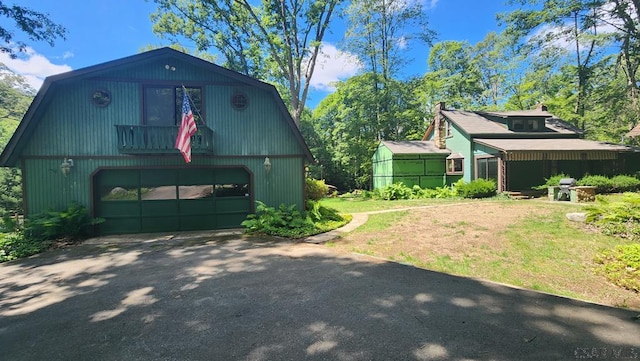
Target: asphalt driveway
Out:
[228,297]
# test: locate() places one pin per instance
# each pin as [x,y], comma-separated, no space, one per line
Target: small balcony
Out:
[149,139]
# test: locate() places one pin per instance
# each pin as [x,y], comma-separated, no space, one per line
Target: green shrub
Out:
[620,218]
[73,223]
[315,189]
[287,221]
[14,245]
[621,265]
[602,183]
[550,182]
[396,191]
[625,183]
[478,188]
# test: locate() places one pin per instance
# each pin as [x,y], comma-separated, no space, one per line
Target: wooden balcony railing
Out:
[148,139]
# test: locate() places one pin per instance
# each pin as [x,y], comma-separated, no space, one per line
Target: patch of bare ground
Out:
[483,240]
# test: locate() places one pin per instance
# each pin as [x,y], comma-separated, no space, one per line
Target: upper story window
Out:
[163,104]
[527,125]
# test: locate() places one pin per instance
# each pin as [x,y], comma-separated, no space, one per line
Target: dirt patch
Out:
[472,239]
[448,230]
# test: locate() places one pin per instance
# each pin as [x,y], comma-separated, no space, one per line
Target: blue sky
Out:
[100,31]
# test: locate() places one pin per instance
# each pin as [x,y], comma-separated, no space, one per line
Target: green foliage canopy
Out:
[36,25]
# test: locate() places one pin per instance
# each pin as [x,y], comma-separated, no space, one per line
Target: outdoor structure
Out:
[104,136]
[519,149]
[409,162]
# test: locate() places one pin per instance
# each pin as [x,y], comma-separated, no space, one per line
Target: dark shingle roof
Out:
[475,123]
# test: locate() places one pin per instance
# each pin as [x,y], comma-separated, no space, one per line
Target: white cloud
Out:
[33,66]
[67,55]
[561,37]
[402,42]
[333,65]
[431,4]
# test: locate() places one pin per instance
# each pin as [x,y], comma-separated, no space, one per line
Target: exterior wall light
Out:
[267,165]
[66,166]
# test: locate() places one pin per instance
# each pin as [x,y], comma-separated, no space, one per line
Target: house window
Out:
[449,134]
[527,125]
[163,104]
[487,168]
[455,164]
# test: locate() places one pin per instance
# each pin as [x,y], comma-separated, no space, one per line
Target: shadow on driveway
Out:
[239,298]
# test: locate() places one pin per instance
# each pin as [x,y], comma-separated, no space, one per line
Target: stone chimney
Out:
[541,107]
[440,126]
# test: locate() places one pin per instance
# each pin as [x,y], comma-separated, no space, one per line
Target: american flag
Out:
[187,129]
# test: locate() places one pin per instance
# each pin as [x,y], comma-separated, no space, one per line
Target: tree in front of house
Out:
[276,41]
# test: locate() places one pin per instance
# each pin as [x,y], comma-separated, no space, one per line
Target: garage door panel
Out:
[119,178]
[120,208]
[230,220]
[159,208]
[168,200]
[197,206]
[158,177]
[196,176]
[160,224]
[233,204]
[119,226]
[197,222]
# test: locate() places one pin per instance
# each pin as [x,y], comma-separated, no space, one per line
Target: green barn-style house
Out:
[104,137]
[518,149]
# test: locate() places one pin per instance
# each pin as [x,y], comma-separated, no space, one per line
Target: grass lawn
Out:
[356,205]
[526,243]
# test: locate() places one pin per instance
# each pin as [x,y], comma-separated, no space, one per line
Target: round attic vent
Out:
[239,101]
[101,97]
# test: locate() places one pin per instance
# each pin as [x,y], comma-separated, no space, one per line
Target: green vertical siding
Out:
[382,167]
[47,188]
[459,142]
[69,125]
[424,170]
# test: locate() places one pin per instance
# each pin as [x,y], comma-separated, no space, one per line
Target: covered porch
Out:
[525,163]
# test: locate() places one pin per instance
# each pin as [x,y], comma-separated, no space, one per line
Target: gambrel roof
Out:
[10,154]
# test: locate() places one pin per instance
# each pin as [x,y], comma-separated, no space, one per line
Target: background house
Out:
[104,136]
[409,162]
[519,149]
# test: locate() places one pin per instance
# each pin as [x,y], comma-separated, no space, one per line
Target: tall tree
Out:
[15,97]
[380,33]
[342,127]
[565,25]
[37,26]
[277,41]
[453,76]
[624,16]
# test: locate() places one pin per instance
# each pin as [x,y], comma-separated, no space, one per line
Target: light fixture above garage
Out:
[267,165]
[66,166]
